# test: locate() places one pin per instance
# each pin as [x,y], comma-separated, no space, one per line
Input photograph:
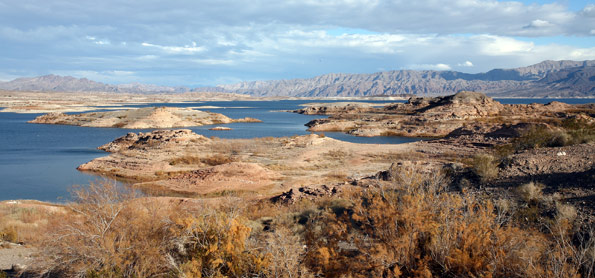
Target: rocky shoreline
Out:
[434,117]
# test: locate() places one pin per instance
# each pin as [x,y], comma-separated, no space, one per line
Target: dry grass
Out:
[337,154]
[186,160]
[336,175]
[25,221]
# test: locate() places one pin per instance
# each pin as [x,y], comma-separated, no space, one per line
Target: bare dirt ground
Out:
[183,162]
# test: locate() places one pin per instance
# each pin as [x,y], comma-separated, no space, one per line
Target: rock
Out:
[153,138]
[332,108]
[306,192]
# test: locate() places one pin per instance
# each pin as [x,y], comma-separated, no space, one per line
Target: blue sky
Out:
[210,42]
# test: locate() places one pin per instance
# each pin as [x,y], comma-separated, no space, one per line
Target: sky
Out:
[211,42]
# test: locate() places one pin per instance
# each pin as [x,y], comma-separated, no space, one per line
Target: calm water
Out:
[39,161]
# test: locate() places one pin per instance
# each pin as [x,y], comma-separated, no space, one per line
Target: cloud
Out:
[465,64]
[430,67]
[499,46]
[538,23]
[184,50]
[201,42]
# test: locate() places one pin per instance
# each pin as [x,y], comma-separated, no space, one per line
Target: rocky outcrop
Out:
[333,108]
[151,139]
[306,192]
[440,116]
[150,117]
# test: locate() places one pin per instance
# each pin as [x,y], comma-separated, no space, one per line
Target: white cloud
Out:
[185,50]
[538,23]
[465,64]
[213,61]
[498,46]
[429,67]
[203,41]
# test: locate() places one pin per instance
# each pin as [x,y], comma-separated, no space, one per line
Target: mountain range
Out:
[545,79]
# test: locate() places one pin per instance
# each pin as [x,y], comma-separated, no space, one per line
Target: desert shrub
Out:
[531,191]
[9,234]
[485,166]
[418,229]
[579,130]
[570,131]
[213,244]
[533,137]
[217,159]
[565,212]
[109,234]
[286,249]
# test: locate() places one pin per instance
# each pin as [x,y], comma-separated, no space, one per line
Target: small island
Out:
[150,117]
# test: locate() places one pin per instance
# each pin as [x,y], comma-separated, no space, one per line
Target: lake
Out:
[39,161]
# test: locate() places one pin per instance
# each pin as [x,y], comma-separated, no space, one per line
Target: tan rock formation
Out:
[436,117]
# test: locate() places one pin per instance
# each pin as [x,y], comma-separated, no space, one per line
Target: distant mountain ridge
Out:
[545,79]
[57,83]
[528,81]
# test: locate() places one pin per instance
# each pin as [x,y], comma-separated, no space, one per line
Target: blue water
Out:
[39,161]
